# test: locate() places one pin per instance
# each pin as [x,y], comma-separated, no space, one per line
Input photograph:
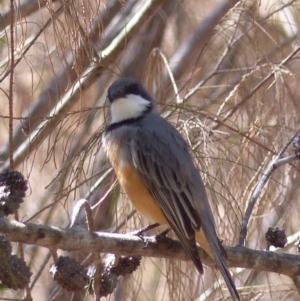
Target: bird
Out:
[154,166]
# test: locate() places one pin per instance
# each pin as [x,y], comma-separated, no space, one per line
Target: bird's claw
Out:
[162,236]
[139,233]
[164,233]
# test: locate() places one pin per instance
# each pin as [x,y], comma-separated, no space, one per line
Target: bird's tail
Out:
[226,275]
[216,251]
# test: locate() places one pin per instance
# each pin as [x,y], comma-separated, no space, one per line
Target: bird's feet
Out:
[140,233]
[163,236]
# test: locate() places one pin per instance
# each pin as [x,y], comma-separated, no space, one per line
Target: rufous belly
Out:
[139,195]
[143,201]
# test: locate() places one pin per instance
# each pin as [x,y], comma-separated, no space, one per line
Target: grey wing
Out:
[163,160]
[166,167]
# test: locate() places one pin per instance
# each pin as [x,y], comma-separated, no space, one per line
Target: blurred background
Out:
[225,73]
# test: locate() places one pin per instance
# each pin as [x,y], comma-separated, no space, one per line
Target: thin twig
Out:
[54,255]
[11,83]
[258,86]
[40,270]
[24,10]
[171,76]
[10,122]
[57,12]
[185,55]
[88,77]
[98,183]
[259,187]
[83,203]
[112,186]
[47,99]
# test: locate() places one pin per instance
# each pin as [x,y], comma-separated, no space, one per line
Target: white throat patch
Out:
[133,106]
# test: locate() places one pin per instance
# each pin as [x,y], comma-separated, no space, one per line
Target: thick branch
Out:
[77,239]
[183,58]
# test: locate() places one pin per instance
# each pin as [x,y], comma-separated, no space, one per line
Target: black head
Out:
[125,86]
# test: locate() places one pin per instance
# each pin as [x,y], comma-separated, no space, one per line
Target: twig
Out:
[11,83]
[260,185]
[54,255]
[182,58]
[40,270]
[97,277]
[24,9]
[83,203]
[87,78]
[97,184]
[57,12]
[87,196]
[112,186]
[258,86]
[170,73]
[66,75]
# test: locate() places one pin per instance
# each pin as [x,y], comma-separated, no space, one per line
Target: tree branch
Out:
[88,77]
[55,88]
[77,239]
[260,185]
[188,52]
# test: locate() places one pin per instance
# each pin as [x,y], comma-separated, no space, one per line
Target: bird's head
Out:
[128,100]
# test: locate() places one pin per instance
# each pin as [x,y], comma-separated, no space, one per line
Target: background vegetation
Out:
[226,73]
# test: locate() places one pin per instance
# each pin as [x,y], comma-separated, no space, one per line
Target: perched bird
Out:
[155,168]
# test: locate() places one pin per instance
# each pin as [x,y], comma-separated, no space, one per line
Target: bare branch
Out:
[89,76]
[11,83]
[259,85]
[47,99]
[83,203]
[259,187]
[24,10]
[199,38]
[79,239]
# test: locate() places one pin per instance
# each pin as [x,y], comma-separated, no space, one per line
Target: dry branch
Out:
[24,10]
[233,119]
[50,96]
[181,60]
[260,185]
[79,239]
[88,77]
